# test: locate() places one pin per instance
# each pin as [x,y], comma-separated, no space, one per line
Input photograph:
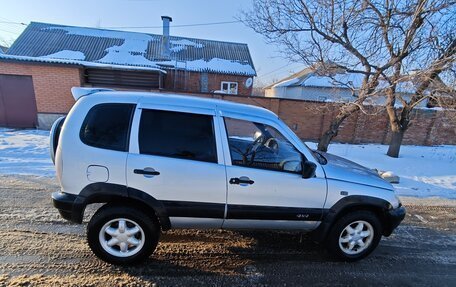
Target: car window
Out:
[107,126]
[178,135]
[258,145]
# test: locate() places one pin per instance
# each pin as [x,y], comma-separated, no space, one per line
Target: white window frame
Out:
[229,90]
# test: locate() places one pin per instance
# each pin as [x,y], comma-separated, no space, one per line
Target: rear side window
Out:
[178,135]
[108,126]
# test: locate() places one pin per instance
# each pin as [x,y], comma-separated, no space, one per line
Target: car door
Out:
[175,158]
[265,184]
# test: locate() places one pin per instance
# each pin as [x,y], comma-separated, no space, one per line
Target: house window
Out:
[229,88]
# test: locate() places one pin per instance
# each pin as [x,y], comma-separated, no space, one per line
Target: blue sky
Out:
[132,13]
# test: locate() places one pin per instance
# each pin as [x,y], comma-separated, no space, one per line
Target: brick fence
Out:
[310,120]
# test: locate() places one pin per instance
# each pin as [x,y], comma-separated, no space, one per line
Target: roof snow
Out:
[67,54]
[48,42]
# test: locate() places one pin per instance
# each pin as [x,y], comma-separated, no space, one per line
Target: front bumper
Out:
[393,218]
[67,205]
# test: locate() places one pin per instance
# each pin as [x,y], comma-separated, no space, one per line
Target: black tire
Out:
[110,212]
[338,227]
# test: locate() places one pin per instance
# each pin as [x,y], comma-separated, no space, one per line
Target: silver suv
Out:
[162,161]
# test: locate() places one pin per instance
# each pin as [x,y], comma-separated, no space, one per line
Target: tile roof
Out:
[91,46]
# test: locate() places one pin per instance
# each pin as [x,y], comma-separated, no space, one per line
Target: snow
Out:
[67,54]
[287,83]
[25,152]
[182,44]
[423,171]
[222,65]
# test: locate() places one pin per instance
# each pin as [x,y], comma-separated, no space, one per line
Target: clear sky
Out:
[133,13]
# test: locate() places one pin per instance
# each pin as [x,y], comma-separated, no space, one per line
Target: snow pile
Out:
[25,152]
[423,171]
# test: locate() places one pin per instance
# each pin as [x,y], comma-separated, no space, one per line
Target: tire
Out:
[119,243]
[340,237]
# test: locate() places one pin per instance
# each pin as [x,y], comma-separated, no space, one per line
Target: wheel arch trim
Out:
[109,192]
[343,206]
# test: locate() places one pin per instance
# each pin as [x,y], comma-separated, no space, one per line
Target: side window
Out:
[258,145]
[178,135]
[107,126]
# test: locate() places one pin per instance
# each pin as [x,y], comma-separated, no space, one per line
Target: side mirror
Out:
[308,169]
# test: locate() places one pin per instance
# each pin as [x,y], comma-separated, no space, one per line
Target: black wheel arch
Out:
[116,193]
[347,205]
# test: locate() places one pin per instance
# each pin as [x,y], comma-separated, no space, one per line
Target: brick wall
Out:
[309,120]
[52,84]
[191,82]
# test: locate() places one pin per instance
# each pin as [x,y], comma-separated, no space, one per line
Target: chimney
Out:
[166,49]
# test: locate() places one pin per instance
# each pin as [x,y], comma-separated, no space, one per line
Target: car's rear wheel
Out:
[122,235]
[355,235]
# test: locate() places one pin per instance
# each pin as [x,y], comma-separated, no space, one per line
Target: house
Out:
[321,83]
[47,60]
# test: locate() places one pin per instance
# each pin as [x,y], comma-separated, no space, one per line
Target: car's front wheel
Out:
[355,235]
[122,235]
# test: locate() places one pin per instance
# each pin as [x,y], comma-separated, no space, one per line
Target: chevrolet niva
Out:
[162,161]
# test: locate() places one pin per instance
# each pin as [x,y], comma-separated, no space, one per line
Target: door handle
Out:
[243,180]
[146,172]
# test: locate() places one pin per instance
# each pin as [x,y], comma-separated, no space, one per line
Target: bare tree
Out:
[376,39]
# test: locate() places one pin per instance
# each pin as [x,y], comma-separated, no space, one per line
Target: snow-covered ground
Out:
[423,171]
[25,152]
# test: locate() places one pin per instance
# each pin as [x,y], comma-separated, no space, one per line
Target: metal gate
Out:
[17,102]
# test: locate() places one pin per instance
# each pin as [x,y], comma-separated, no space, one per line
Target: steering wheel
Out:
[272,144]
[251,150]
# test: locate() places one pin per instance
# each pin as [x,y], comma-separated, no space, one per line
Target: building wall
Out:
[193,82]
[52,85]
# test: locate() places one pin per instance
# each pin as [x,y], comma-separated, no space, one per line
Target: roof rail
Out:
[79,92]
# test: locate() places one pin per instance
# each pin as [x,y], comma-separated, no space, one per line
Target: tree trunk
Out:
[344,113]
[326,139]
[395,143]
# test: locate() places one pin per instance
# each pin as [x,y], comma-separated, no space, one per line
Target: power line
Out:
[173,26]
[288,64]
[13,23]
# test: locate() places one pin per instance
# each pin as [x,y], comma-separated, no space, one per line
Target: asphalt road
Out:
[38,248]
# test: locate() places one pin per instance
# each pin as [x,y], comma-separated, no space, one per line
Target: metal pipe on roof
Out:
[166,49]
